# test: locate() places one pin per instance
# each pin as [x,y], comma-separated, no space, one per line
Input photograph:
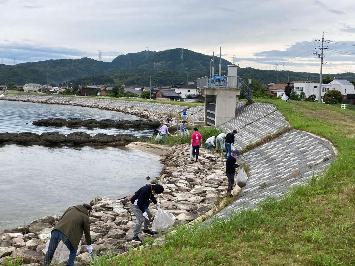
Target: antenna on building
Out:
[213,65]
[100,55]
[220,62]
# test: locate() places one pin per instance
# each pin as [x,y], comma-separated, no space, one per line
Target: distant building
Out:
[32,87]
[276,89]
[91,90]
[342,85]
[167,94]
[134,91]
[311,88]
[186,92]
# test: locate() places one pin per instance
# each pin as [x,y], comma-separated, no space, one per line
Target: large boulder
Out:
[53,138]
[79,138]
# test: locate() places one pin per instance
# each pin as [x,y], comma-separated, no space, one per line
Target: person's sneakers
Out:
[136,238]
[149,232]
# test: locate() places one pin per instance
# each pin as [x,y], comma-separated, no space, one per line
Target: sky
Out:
[265,34]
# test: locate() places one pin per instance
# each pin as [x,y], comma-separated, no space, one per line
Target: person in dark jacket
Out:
[228,142]
[140,203]
[69,229]
[231,165]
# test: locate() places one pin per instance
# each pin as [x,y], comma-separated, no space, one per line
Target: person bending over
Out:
[69,229]
[140,207]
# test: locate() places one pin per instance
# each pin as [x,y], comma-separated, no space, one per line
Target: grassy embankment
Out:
[312,225]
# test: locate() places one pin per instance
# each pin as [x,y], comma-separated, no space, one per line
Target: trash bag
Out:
[191,153]
[162,220]
[158,138]
[242,178]
[61,253]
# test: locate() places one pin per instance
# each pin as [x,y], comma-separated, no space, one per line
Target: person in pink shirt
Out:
[196,140]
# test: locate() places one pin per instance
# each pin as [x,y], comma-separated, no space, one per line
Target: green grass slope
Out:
[312,225]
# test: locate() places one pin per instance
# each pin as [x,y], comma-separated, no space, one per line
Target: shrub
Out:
[311,98]
[333,97]
[294,96]
[206,132]
[145,95]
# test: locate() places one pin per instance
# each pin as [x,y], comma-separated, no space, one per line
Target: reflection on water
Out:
[37,181]
[18,117]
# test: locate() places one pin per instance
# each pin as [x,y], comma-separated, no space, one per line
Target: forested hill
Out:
[166,67]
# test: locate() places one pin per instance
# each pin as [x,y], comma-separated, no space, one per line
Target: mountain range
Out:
[173,66]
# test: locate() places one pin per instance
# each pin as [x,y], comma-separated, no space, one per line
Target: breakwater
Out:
[75,139]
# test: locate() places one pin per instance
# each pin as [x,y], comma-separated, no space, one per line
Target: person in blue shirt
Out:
[184,115]
[139,206]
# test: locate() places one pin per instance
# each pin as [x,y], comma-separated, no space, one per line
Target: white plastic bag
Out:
[158,138]
[162,220]
[242,178]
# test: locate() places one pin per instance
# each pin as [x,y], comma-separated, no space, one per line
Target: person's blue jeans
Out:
[56,237]
[228,147]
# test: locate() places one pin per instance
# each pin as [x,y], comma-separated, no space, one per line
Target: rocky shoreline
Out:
[153,111]
[191,190]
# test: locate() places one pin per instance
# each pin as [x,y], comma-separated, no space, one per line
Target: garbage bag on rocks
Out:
[242,178]
[163,220]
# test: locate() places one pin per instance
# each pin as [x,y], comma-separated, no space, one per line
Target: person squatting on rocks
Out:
[231,165]
[229,141]
[196,140]
[164,131]
[210,142]
[69,229]
[220,140]
[139,206]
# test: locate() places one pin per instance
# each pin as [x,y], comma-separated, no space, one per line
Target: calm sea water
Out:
[38,181]
[18,117]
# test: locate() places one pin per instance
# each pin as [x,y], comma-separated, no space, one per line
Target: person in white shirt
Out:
[210,142]
[164,130]
[220,141]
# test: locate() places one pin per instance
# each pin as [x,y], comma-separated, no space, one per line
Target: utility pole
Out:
[150,87]
[319,51]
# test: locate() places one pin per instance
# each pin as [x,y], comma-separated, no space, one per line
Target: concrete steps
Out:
[275,167]
[255,122]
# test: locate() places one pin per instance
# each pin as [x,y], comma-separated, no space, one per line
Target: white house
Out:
[342,85]
[311,88]
[308,88]
[32,87]
[184,92]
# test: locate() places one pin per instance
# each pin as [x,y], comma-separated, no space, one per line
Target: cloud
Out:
[32,6]
[348,28]
[32,52]
[301,53]
[327,8]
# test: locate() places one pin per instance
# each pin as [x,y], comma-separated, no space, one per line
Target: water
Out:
[38,181]
[18,117]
